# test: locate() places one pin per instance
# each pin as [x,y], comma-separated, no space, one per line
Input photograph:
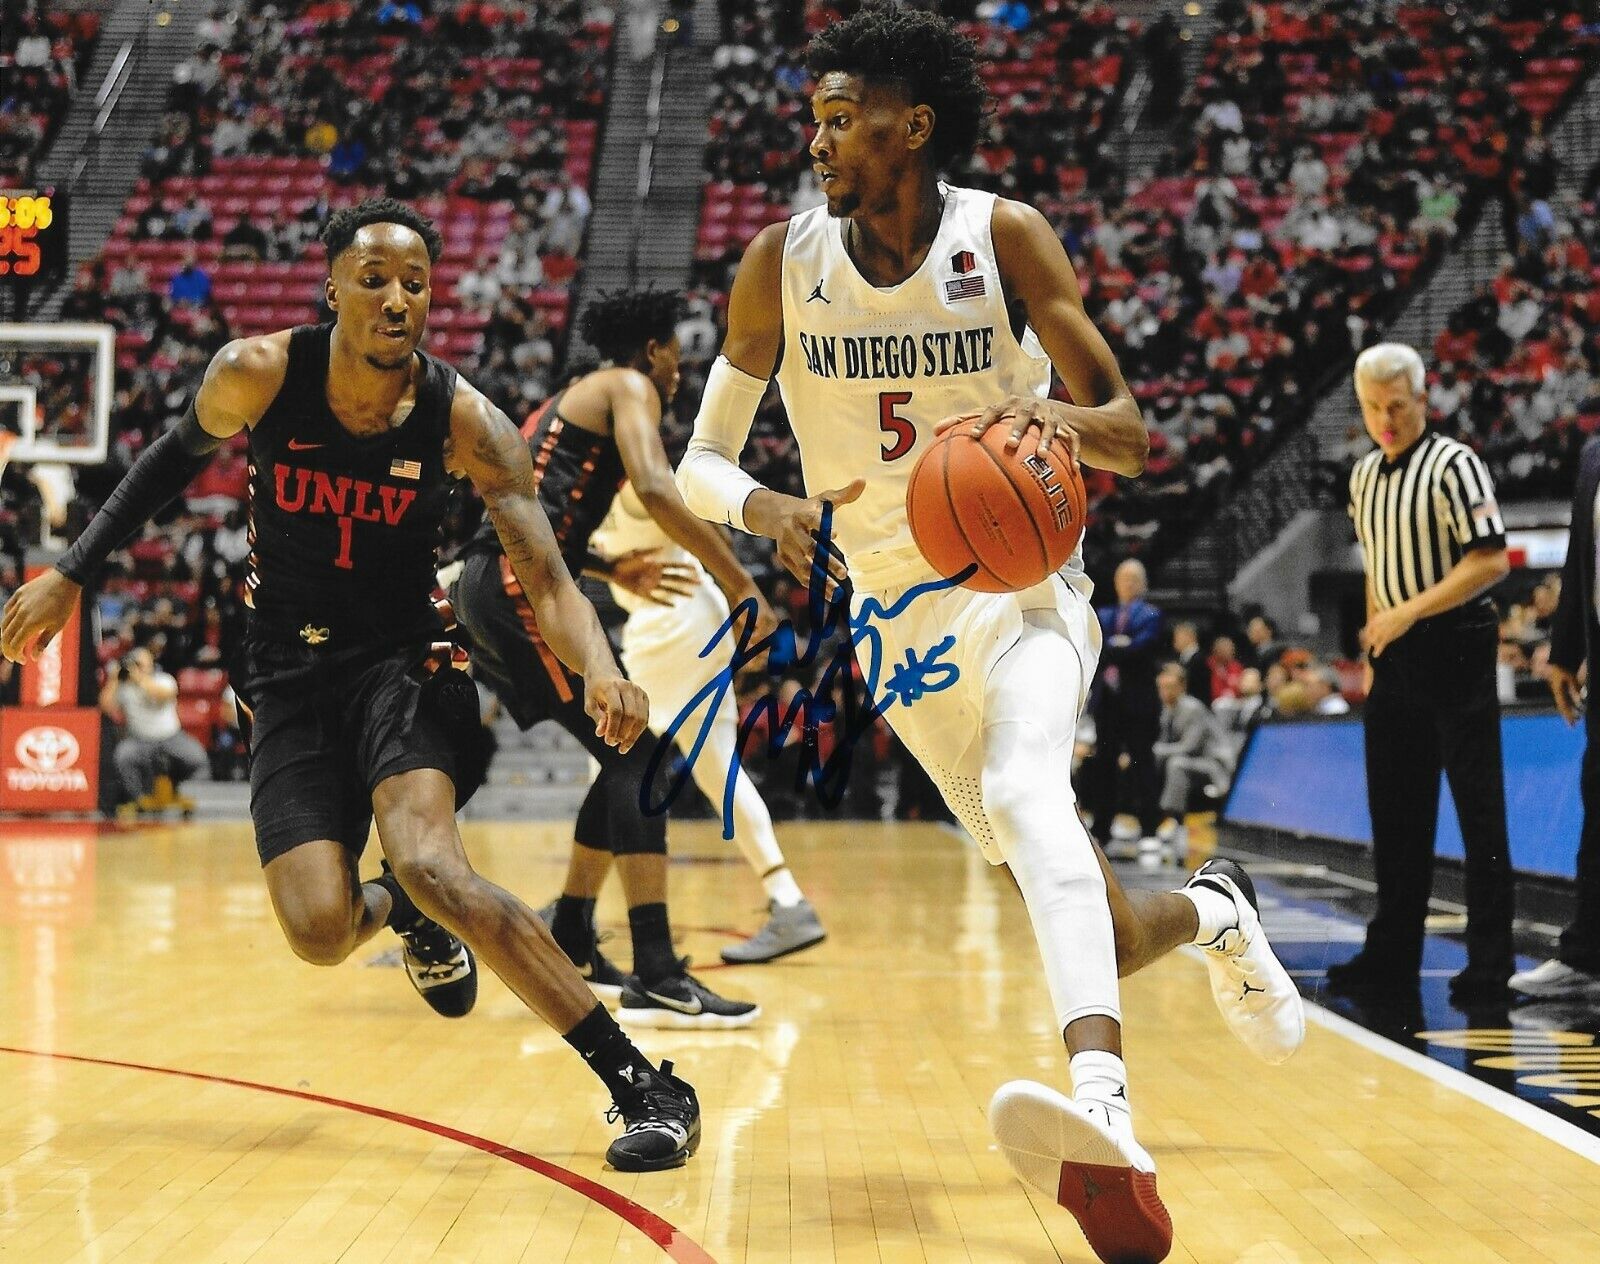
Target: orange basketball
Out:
[1018,515]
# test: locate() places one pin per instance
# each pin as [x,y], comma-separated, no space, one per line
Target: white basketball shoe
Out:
[1084,1157]
[1257,997]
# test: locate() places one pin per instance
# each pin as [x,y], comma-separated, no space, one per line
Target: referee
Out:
[1432,544]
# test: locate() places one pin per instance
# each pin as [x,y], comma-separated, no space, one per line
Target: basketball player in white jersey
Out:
[661,644]
[903,303]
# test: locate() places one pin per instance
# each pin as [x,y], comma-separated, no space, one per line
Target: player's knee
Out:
[1016,807]
[322,933]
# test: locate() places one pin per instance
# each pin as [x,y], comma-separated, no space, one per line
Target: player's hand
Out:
[36,612]
[618,707]
[1385,628]
[1024,411]
[1366,676]
[1564,688]
[799,528]
[644,574]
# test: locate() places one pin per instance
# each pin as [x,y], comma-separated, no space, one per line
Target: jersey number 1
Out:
[901,431]
[342,561]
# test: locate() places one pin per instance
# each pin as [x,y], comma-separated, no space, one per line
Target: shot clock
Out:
[33,233]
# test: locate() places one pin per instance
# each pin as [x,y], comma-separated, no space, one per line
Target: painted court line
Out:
[1566,1135]
[670,1239]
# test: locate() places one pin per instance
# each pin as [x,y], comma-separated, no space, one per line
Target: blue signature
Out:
[908,682]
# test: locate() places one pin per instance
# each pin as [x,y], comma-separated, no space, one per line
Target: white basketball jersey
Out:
[627,528]
[867,373]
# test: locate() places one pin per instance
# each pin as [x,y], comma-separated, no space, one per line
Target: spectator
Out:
[1190,751]
[192,221]
[1225,667]
[1265,648]
[191,284]
[145,701]
[1321,684]
[244,241]
[1237,714]
[1196,670]
[1126,708]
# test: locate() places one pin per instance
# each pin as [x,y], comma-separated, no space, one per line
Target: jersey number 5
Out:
[902,433]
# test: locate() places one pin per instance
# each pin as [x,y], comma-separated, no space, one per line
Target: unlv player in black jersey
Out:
[604,428]
[354,436]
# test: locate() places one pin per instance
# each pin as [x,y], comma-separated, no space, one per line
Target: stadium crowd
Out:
[44,49]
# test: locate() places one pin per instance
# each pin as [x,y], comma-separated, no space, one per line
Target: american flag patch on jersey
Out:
[971,286]
[405,469]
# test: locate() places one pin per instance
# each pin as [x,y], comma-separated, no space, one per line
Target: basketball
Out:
[1018,515]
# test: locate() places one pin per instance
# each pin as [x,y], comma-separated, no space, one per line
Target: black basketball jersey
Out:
[578,474]
[344,530]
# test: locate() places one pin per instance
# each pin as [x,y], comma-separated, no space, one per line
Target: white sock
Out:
[782,889]
[1101,1077]
[1217,913]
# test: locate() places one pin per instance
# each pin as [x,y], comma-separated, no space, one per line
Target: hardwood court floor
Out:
[847,1126]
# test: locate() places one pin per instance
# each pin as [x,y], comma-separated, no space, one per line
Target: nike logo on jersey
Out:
[694,1006]
[817,293]
[296,446]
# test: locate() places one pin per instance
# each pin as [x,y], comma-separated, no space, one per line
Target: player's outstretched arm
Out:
[710,479]
[1104,428]
[485,446]
[240,383]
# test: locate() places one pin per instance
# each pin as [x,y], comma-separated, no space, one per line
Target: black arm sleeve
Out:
[158,477]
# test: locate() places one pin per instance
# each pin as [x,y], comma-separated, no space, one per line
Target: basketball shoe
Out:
[1257,997]
[681,1001]
[662,1115]
[605,980]
[440,966]
[1084,1156]
[788,929]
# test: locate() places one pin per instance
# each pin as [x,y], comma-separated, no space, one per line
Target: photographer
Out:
[144,700]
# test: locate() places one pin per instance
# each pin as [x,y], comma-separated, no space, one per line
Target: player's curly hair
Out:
[924,51]
[618,324]
[343,225]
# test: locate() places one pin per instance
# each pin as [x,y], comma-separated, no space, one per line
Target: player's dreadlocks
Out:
[619,323]
[936,63]
[343,225]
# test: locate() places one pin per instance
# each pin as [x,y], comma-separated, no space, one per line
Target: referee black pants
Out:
[1433,706]
[1580,942]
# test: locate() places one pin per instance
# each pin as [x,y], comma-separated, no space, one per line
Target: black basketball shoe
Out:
[662,1115]
[440,966]
[601,974]
[682,1001]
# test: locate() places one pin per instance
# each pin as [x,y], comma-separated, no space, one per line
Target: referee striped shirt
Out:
[1417,515]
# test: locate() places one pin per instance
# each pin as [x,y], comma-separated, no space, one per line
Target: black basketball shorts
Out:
[321,743]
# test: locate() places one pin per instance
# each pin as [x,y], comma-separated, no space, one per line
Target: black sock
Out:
[402,912]
[653,958]
[573,927]
[608,1051]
